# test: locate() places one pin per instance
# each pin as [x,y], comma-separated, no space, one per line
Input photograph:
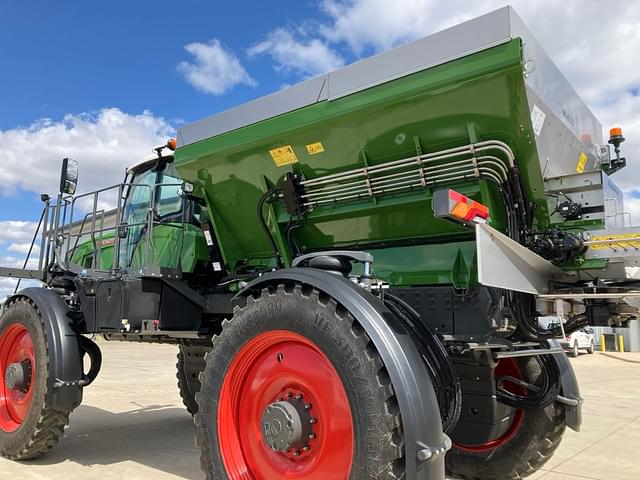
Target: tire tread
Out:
[51,423]
[393,468]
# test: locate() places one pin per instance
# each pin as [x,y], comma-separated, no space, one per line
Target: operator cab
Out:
[154,185]
[159,224]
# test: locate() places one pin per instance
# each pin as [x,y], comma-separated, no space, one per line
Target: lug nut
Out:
[424,454]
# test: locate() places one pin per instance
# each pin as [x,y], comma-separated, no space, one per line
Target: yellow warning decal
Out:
[283,156]
[314,148]
[582,162]
[617,241]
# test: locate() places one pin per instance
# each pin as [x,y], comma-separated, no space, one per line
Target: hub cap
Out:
[287,424]
[18,376]
[284,412]
[17,364]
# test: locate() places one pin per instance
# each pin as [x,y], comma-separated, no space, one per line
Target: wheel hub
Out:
[287,425]
[18,376]
[284,413]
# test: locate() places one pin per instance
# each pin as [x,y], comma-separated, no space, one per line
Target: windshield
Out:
[168,206]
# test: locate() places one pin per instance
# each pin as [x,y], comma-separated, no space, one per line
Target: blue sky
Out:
[80,56]
[85,56]
[104,82]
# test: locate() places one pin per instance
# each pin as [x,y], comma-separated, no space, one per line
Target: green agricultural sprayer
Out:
[354,269]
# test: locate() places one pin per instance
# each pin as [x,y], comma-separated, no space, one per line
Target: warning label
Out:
[314,148]
[537,120]
[582,162]
[283,156]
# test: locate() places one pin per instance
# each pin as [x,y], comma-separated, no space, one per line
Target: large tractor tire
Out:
[191,362]
[294,388]
[28,428]
[526,446]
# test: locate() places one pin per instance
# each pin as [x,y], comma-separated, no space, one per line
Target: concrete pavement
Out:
[132,424]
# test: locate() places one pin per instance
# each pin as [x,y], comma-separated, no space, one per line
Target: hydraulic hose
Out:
[441,369]
[265,227]
[539,395]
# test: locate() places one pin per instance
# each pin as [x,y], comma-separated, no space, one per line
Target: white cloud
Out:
[624,110]
[7,285]
[16,232]
[18,235]
[214,70]
[104,143]
[305,57]
[11,262]
[22,248]
[380,24]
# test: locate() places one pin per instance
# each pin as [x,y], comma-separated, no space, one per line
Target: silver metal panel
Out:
[21,273]
[458,41]
[461,40]
[575,182]
[615,214]
[283,101]
[558,146]
[552,87]
[588,296]
[504,263]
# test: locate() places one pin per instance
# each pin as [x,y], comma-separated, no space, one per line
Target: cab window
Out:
[169,201]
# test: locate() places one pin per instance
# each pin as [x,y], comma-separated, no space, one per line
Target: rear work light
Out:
[455,206]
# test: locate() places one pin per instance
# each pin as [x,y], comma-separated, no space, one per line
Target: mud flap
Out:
[570,390]
[425,442]
[64,392]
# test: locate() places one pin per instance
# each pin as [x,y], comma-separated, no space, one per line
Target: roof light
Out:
[453,205]
[172,144]
[615,132]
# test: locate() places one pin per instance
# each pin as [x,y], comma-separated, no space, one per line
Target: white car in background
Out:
[579,340]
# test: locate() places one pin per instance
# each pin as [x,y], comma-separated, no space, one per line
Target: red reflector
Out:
[451,204]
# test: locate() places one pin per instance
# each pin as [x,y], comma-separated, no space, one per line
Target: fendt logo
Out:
[272,428]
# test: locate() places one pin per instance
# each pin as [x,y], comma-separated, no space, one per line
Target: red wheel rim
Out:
[506,366]
[266,369]
[16,346]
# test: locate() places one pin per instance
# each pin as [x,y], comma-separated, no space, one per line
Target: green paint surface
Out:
[483,93]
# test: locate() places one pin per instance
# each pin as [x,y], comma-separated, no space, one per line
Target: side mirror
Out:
[69,176]
[123,230]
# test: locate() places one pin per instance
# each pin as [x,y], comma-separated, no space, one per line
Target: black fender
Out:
[64,392]
[571,398]
[425,442]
